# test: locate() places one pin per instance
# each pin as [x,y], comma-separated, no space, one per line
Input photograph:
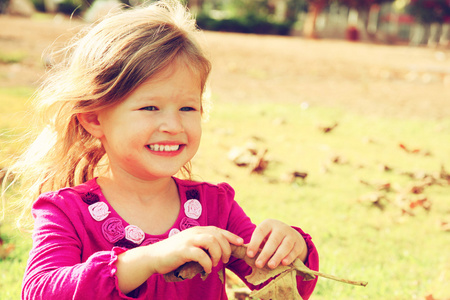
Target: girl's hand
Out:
[206,245]
[280,243]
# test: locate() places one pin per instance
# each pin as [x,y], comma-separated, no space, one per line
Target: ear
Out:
[90,123]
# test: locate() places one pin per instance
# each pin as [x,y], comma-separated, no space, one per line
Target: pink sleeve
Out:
[305,288]
[240,224]
[55,269]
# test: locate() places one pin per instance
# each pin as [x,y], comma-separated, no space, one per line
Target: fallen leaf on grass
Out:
[407,203]
[284,285]
[242,156]
[445,225]
[292,177]
[260,163]
[327,128]
[384,168]
[339,160]
[249,156]
[427,179]
[408,150]
[416,189]
[379,186]
[431,297]
[414,151]
[376,199]
[444,175]
[5,249]
[423,202]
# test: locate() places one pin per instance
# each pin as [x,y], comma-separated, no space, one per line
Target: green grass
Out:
[12,57]
[14,119]
[13,267]
[401,256]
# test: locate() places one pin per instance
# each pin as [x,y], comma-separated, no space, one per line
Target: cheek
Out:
[193,127]
[128,143]
[197,133]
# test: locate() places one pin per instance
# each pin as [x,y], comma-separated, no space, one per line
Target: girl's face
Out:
[156,130]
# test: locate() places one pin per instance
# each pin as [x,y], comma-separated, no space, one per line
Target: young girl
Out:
[123,116]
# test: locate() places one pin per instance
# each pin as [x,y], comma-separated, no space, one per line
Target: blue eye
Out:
[149,108]
[188,109]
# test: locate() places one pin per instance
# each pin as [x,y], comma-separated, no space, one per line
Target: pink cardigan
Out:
[78,236]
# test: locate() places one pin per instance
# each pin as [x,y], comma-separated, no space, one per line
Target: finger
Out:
[225,249]
[200,256]
[289,259]
[226,239]
[285,251]
[213,246]
[217,242]
[268,250]
[233,238]
[258,236]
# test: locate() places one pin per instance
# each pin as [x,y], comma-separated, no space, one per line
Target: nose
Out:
[172,123]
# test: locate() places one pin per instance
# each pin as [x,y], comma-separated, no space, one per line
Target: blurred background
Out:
[390,21]
[331,115]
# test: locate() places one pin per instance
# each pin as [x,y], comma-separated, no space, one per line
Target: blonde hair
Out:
[99,69]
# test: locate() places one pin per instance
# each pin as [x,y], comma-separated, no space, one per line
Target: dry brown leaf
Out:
[338,160]
[384,168]
[379,186]
[260,275]
[187,271]
[291,177]
[445,225]
[284,283]
[6,250]
[327,128]
[444,174]
[415,151]
[282,287]
[376,199]
[260,163]
[249,156]
[422,202]
[431,297]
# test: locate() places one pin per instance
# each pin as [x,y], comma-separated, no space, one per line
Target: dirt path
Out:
[365,78]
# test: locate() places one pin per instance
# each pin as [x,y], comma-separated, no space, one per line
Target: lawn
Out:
[357,199]
[366,124]
[369,199]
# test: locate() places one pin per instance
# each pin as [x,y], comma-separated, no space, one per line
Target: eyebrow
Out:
[189,99]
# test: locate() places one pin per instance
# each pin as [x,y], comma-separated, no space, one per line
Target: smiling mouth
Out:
[164,148]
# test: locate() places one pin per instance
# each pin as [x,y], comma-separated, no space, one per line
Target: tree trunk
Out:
[371,22]
[309,28]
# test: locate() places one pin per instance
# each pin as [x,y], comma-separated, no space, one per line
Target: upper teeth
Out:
[157,147]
